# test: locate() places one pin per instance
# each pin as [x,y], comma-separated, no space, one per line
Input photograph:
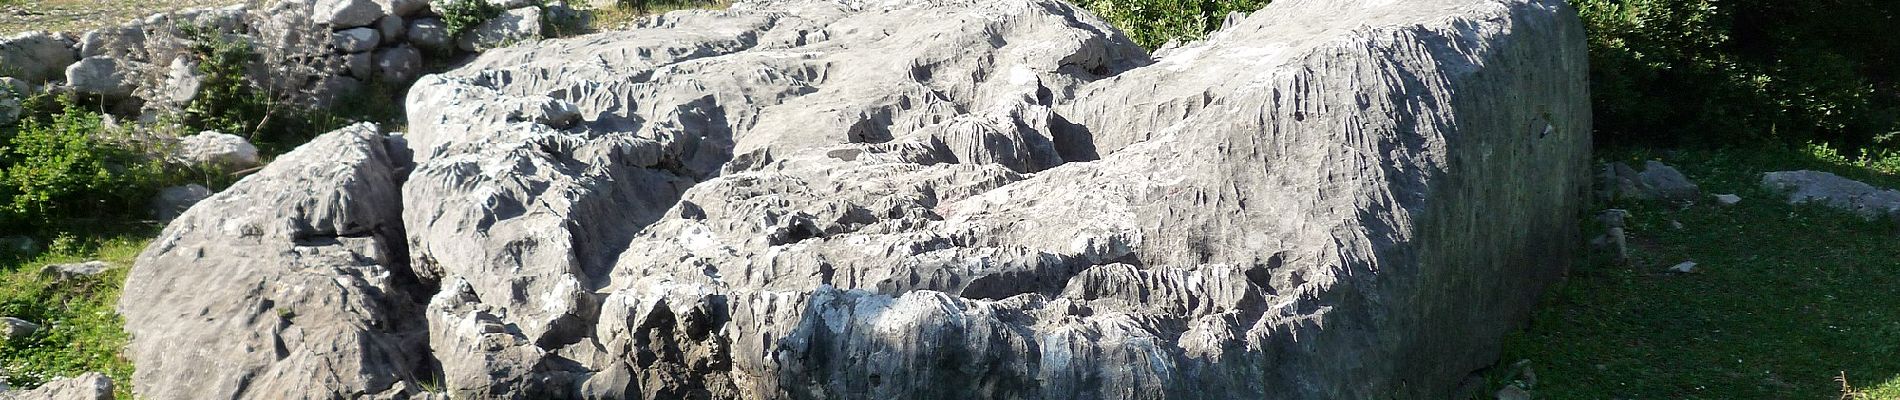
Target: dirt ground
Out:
[80,15]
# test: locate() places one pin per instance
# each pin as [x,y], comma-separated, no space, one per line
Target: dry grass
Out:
[81,15]
[623,16]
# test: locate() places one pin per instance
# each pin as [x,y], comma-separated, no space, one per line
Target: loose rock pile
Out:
[906,199]
[313,51]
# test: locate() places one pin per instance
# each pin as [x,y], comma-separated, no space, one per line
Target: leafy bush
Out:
[1152,23]
[1713,72]
[67,168]
[463,15]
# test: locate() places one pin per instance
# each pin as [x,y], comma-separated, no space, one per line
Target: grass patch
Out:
[80,331]
[1788,299]
[623,14]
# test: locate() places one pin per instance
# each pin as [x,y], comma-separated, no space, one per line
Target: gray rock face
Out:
[182,82]
[925,199]
[289,284]
[398,65]
[9,107]
[102,76]
[87,386]
[356,40]
[390,29]
[36,56]
[1657,181]
[1834,191]
[68,272]
[15,329]
[214,148]
[173,201]
[403,8]
[510,27]
[343,14]
[430,34]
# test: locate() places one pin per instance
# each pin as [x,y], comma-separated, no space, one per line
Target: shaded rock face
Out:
[290,284]
[922,199]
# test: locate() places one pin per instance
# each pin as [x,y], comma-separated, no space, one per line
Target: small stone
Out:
[1513,392]
[430,34]
[1674,224]
[172,202]
[214,148]
[66,272]
[16,329]
[1614,218]
[100,75]
[1686,267]
[1665,182]
[391,28]
[356,40]
[1728,199]
[342,14]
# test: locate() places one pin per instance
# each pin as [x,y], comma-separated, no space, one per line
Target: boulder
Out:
[289,284]
[398,65]
[87,386]
[101,76]
[390,28]
[1657,181]
[816,199]
[116,41]
[1832,190]
[345,14]
[36,57]
[67,272]
[15,329]
[10,108]
[220,149]
[356,40]
[173,201]
[360,65]
[430,34]
[510,27]
[404,8]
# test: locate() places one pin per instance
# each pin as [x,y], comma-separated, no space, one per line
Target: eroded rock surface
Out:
[917,199]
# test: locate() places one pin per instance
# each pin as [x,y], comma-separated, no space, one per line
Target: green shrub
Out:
[67,169]
[1712,72]
[463,15]
[1152,23]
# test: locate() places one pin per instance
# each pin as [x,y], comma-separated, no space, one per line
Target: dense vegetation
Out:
[1698,73]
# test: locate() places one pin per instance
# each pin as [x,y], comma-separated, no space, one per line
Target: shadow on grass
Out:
[1786,299]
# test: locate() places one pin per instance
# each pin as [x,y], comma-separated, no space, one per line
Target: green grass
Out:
[79,329]
[1788,299]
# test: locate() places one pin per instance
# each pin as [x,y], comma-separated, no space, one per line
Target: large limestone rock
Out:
[291,283]
[923,199]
